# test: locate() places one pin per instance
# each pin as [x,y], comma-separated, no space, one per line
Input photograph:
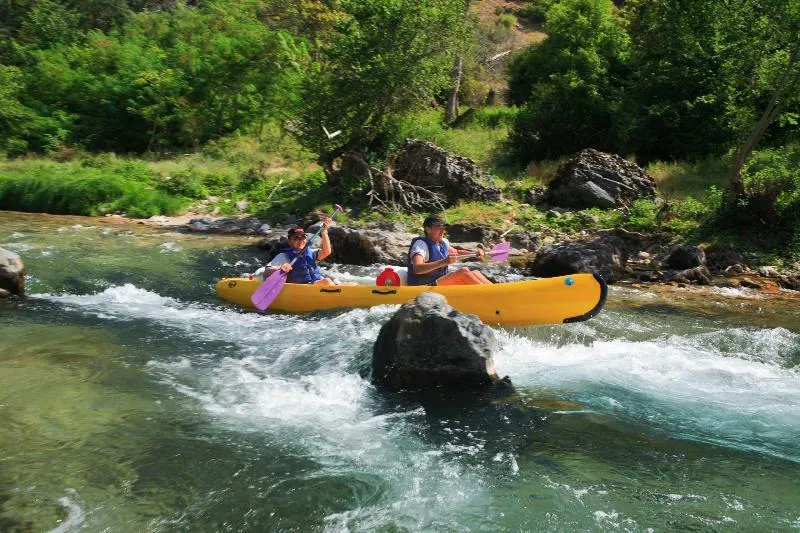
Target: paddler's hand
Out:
[450,259]
[479,253]
[326,223]
[286,267]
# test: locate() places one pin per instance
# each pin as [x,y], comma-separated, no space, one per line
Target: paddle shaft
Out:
[503,250]
[317,234]
[271,287]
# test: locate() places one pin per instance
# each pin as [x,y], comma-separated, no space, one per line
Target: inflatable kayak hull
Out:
[541,301]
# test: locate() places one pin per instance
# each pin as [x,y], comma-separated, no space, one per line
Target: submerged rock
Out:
[428,344]
[12,274]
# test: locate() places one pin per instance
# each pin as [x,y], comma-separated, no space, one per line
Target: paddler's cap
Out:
[296,232]
[433,220]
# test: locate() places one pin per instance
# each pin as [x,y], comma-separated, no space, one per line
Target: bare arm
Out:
[477,253]
[421,267]
[326,249]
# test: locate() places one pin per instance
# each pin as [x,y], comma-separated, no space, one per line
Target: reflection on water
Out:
[132,400]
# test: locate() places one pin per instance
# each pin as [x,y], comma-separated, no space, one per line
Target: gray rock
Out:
[597,179]
[196,225]
[768,272]
[459,232]
[604,255]
[12,273]
[721,257]
[424,164]
[699,275]
[429,344]
[734,270]
[790,281]
[686,256]
[527,241]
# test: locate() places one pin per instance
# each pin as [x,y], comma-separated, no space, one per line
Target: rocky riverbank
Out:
[618,255]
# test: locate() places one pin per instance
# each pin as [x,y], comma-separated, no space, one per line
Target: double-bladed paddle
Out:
[271,287]
[498,253]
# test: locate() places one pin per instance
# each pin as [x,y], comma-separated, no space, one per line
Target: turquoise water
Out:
[132,400]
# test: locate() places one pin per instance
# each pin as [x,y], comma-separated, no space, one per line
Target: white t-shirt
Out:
[283,257]
[421,247]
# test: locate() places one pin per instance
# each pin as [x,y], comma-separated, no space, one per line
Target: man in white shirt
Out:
[429,257]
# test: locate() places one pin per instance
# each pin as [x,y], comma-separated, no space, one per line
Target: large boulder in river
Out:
[12,274]
[428,344]
[605,255]
[598,179]
[424,164]
[686,256]
[467,232]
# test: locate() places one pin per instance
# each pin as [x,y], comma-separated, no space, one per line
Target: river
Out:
[131,400]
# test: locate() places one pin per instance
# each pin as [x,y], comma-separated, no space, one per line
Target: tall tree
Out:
[451,109]
[765,36]
[676,105]
[385,58]
[570,82]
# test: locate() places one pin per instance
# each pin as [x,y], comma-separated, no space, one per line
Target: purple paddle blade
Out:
[499,252]
[269,290]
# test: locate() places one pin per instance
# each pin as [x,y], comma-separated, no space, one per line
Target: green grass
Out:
[482,139]
[84,189]
[232,168]
[679,180]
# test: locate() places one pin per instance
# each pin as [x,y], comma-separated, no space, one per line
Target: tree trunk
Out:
[736,186]
[451,111]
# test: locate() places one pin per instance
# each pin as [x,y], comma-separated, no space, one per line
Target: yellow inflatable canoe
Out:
[541,301]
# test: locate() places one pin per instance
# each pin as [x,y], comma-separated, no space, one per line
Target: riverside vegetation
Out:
[154,108]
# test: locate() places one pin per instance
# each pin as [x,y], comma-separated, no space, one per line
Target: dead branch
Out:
[396,194]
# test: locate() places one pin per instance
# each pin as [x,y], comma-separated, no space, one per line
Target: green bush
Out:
[184,183]
[772,176]
[250,179]
[642,215]
[297,195]
[51,189]
[495,117]
[218,183]
[507,21]
[535,12]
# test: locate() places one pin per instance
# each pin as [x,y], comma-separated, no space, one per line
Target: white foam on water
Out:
[293,377]
[733,292]
[728,387]
[296,378]
[75,517]
[128,302]
[170,246]
[17,246]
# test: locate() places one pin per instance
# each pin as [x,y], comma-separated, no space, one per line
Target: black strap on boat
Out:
[393,291]
[330,290]
[600,302]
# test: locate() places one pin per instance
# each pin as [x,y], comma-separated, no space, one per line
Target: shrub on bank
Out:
[85,189]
